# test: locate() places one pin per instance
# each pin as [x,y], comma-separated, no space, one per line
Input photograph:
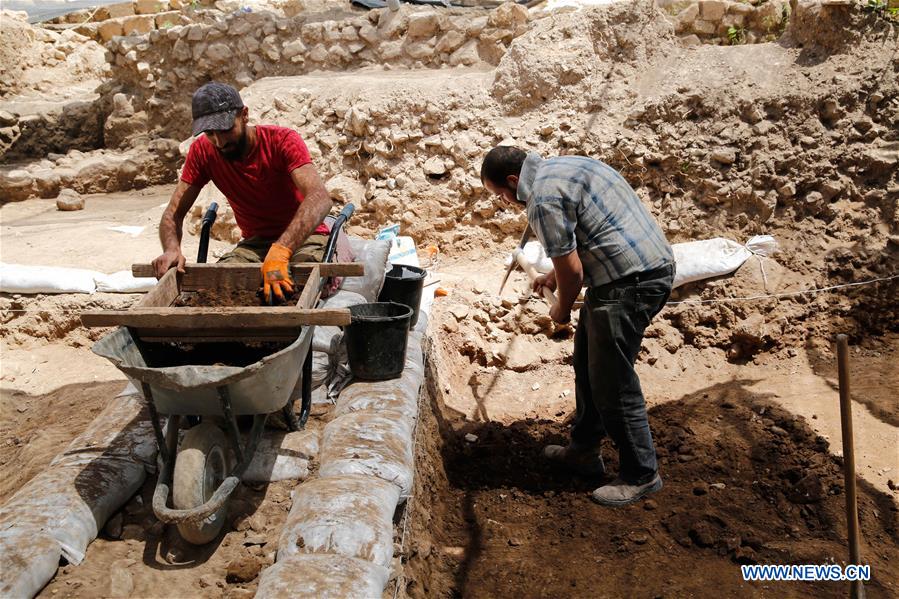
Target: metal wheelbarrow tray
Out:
[200,474]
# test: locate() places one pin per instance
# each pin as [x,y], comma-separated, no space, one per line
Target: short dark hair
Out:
[500,162]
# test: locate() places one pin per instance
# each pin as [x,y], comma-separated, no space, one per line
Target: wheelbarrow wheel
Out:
[200,467]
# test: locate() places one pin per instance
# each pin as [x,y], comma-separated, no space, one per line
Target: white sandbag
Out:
[19,278]
[327,341]
[376,443]
[282,456]
[399,394]
[697,260]
[28,560]
[535,255]
[83,486]
[372,253]
[350,515]
[322,576]
[123,282]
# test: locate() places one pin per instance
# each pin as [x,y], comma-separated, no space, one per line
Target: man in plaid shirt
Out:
[598,235]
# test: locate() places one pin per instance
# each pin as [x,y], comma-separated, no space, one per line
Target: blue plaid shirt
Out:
[579,203]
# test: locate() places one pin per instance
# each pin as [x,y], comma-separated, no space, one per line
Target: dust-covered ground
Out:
[795,138]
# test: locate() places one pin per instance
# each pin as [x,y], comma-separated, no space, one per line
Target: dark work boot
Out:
[577,458]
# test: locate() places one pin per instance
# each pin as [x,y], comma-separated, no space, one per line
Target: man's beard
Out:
[236,152]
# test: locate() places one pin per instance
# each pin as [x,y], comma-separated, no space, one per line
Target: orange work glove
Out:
[276,273]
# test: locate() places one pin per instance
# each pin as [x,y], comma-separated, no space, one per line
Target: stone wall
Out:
[161,69]
[724,22]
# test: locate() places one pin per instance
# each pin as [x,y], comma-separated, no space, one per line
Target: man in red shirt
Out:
[267,176]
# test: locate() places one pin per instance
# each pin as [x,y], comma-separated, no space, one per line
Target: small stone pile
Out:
[723,22]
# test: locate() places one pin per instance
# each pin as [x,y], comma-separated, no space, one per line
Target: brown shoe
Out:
[575,458]
[619,492]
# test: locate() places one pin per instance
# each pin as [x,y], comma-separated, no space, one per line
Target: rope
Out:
[400,577]
[785,294]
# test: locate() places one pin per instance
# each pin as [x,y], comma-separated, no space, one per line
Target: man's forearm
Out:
[170,231]
[309,215]
[568,288]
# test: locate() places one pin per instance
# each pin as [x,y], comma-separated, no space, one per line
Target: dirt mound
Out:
[745,482]
[565,57]
[32,433]
[34,59]
[29,319]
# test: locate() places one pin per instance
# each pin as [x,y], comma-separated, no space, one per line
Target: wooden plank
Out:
[165,292]
[234,319]
[309,296]
[247,275]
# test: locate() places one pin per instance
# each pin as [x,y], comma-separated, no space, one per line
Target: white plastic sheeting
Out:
[282,456]
[20,278]
[322,576]
[72,499]
[347,515]
[697,260]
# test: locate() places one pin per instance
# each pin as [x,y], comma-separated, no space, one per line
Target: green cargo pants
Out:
[254,249]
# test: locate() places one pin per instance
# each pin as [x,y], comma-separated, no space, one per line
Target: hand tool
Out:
[528,233]
[532,273]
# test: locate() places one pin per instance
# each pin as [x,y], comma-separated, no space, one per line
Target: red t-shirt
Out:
[258,187]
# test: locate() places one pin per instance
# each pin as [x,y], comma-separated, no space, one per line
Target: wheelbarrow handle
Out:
[208,221]
[344,215]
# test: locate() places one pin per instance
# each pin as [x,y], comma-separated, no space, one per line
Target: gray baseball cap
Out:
[214,107]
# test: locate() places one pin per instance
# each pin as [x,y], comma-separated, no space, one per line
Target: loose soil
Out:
[220,298]
[35,428]
[745,482]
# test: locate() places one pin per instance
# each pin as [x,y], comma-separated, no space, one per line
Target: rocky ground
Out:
[795,137]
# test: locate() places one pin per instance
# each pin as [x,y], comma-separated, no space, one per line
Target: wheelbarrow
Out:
[203,470]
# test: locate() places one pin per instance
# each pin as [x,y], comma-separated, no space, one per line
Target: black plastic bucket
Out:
[403,285]
[376,340]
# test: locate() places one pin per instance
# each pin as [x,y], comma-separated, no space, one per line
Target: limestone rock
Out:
[422,24]
[466,55]
[346,190]
[112,11]
[47,183]
[243,569]
[725,156]
[420,50]
[148,7]
[434,166]
[15,184]
[508,16]
[109,29]
[712,10]
[450,41]
[138,24]
[7,119]
[293,49]
[68,200]
[686,17]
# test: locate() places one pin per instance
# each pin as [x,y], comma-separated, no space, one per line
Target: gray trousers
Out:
[607,389]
